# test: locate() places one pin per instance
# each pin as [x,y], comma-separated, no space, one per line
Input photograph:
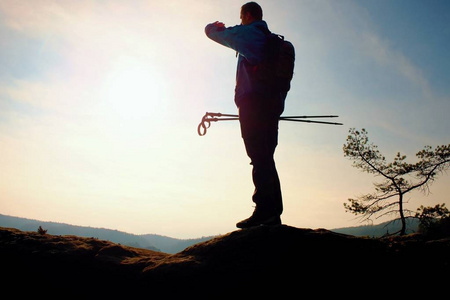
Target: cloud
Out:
[379,49]
[38,18]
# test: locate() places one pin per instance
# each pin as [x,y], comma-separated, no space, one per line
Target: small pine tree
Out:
[42,230]
[398,177]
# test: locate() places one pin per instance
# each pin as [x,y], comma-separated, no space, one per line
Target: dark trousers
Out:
[259,128]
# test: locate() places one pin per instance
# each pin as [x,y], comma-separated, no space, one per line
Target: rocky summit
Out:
[255,261]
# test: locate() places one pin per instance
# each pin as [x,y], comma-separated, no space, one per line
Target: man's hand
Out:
[216,26]
[219,24]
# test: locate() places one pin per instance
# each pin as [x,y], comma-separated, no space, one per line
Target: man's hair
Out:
[254,9]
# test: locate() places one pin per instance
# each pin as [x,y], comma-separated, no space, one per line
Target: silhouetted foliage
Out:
[398,177]
[41,230]
[434,221]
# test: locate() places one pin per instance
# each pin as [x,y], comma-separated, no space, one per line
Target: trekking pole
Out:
[295,119]
[214,117]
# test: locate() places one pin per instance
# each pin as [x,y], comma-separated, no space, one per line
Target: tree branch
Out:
[429,176]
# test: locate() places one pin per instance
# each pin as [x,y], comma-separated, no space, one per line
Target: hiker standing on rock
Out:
[260,106]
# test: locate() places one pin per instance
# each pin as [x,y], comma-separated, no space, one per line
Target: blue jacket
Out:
[248,41]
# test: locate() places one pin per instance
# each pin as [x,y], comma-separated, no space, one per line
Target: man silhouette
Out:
[260,106]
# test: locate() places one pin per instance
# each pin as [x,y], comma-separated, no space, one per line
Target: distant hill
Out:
[168,244]
[280,260]
[147,241]
[379,230]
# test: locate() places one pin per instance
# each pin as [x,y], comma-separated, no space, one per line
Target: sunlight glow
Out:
[132,90]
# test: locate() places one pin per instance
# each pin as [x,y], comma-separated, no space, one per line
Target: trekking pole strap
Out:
[213,117]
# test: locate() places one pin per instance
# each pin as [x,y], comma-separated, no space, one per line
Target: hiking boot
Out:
[258,219]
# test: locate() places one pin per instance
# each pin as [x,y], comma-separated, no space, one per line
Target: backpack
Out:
[277,69]
[282,55]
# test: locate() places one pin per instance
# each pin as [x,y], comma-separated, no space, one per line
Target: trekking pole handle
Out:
[210,114]
[213,117]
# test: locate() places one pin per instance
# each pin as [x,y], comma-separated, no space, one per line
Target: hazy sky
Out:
[100,102]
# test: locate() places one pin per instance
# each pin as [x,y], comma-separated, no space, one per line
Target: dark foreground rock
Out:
[260,260]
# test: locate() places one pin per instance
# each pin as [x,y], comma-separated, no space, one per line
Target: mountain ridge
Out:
[147,241]
[170,244]
[165,243]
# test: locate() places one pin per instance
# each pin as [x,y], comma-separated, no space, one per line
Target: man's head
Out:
[251,12]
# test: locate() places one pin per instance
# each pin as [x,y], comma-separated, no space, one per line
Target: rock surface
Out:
[258,260]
